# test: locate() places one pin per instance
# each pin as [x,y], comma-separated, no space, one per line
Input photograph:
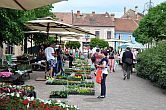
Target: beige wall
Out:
[103,32]
[16,50]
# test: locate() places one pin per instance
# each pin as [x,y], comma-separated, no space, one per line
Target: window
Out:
[9,49]
[97,33]
[108,34]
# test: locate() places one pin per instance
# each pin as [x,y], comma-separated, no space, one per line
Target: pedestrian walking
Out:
[127,60]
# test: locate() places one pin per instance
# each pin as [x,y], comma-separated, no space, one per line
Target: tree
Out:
[73,44]
[152,25]
[12,23]
[98,42]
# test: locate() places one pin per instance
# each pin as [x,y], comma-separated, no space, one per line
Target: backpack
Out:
[129,61]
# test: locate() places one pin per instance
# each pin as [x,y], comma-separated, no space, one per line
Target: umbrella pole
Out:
[56,39]
[60,40]
[48,28]
[31,43]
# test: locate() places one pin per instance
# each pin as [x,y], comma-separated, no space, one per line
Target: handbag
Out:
[98,75]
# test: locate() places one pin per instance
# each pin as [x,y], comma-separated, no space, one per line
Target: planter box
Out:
[57,96]
[77,93]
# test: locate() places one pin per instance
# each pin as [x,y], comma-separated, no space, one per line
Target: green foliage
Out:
[73,44]
[152,64]
[12,23]
[152,25]
[98,42]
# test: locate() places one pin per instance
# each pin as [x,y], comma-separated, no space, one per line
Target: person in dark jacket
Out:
[127,60]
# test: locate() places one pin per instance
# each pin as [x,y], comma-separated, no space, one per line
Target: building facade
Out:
[102,25]
[125,26]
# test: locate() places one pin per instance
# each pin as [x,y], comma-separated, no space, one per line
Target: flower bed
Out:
[13,102]
[21,90]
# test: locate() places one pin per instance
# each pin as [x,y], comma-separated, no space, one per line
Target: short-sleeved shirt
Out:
[104,62]
[48,52]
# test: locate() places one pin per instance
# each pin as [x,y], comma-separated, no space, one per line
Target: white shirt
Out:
[104,70]
[48,52]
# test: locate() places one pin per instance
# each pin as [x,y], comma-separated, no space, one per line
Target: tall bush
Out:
[73,44]
[152,64]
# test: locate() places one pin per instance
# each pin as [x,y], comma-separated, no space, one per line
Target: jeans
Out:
[103,85]
[60,67]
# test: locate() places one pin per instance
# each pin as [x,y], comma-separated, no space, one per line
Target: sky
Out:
[102,6]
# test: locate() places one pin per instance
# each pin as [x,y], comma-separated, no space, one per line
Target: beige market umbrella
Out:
[70,39]
[117,40]
[26,4]
[64,36]
[49,24]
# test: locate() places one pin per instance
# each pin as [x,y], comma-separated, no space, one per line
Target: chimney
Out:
[78,13]
[124,10]
[106,14]
[93,12]
[112,16]
[136,13]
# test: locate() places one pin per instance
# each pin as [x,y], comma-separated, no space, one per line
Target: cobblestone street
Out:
[133,94]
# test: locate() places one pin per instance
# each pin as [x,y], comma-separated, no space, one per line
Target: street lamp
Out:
[87,37]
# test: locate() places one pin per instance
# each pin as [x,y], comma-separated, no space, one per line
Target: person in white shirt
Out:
[103,65]
[51,60]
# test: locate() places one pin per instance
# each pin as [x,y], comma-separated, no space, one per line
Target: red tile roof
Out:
[133,15]
[125,25]
[103,20]
[64,17]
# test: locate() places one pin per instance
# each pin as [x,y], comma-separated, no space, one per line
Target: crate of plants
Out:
[61,77]
[56,82]
[81,91]
[29,90]
[68,71]
[75,78]
[58,94]
[87,76]
[26,90]
[7,88]
[87,84]
[61,82]
[84,72]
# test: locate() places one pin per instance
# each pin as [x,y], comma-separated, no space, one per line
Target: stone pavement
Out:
[133,94]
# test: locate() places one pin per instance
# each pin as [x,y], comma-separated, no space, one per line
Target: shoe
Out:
[101,96]
[124,78]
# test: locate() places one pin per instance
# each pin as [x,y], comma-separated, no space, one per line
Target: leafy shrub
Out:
[152,64]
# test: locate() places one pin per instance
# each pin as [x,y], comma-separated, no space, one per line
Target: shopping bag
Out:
[98,76]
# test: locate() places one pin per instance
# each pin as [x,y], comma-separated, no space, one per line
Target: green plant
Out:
[98,42]
[73,44]
[58,94]
[151,64]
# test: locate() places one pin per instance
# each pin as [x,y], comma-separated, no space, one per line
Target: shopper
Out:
[127,60]
[51,60]
[103,65]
